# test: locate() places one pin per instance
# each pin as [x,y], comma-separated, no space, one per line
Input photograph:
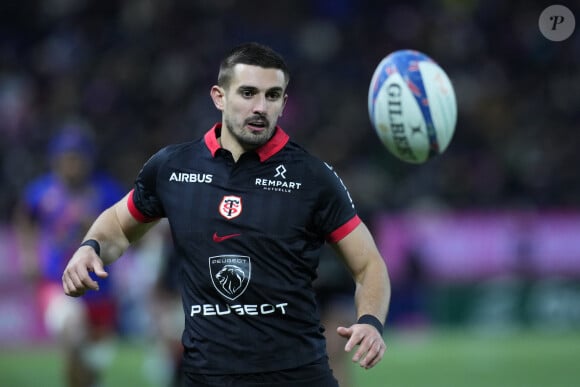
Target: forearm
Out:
[369,271]
[115,230]
[108,232]
[373,290]
[372,296]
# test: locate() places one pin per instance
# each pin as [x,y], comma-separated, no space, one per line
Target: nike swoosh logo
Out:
[217,238]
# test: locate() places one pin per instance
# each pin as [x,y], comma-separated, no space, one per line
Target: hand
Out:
[76,279]
[371,344]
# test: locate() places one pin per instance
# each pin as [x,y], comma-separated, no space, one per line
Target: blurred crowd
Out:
[138,73]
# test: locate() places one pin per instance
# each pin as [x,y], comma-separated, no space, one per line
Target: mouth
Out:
[257,124]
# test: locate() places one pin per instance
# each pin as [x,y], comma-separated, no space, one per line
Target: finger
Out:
[378,357]
[80,283]
[89,283]
[69,287]
[65,285]
[361,351]
[355,339]
[75,293]
[85,281]
[374,354]
[76,280]
[371,354]
[99,270]
[344,332]
[77,286]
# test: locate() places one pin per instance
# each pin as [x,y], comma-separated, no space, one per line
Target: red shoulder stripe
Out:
[343,230]
[135,211]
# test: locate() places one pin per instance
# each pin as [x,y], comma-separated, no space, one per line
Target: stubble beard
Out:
[248,139]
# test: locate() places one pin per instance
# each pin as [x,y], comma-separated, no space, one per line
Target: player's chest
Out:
[248,194]
[287,178]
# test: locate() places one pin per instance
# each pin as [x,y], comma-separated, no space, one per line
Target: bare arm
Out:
[115,229]
[372,294]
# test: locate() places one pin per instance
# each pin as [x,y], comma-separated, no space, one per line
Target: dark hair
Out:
[254,54]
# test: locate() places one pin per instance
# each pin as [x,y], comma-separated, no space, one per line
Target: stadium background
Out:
[482,242]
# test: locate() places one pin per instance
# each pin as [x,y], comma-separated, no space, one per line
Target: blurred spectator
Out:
[56,210]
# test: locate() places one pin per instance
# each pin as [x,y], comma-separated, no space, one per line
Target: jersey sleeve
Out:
[336,215]
[144,202]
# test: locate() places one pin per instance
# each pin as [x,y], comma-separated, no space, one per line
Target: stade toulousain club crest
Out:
[230,274]
[230,206]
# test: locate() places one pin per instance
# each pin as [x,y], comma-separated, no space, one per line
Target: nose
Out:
[260,103]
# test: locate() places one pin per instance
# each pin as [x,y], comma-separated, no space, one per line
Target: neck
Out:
[227,142]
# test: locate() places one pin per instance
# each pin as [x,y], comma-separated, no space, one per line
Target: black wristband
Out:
[371,320]
[94,244]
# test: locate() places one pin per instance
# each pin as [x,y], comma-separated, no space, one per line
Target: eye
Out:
[247,93]
[274,95]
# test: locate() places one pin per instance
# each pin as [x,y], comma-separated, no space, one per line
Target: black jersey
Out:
[249,234]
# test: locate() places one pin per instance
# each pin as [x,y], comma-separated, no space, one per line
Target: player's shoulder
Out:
[296,152]
[317,168]
[177,151]
[173,150]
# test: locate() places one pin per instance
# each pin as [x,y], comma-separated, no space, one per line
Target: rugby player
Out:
[58,208]
[249,211]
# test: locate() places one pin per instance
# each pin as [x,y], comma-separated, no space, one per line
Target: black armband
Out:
[371,320]
[94,244]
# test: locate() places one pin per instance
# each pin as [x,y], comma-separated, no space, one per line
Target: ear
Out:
[218,97]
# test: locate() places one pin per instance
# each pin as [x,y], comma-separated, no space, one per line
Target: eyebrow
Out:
[275,88]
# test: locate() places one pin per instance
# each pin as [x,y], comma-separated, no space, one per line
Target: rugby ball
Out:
[412,106]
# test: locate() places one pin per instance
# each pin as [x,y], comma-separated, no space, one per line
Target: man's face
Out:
[73,167]
[252,104]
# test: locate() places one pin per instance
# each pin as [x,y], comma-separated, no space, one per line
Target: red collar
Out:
[269,149]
